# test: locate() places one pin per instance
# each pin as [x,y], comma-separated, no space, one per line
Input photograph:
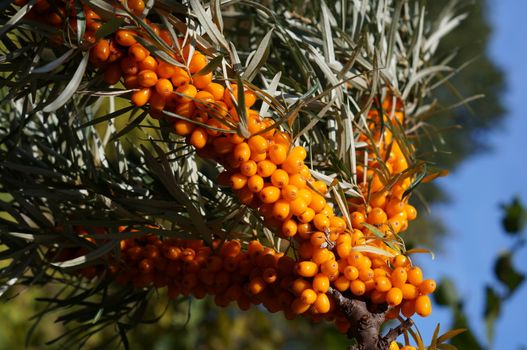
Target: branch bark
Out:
[366,321]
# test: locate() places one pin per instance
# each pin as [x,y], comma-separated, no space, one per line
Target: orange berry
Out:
[217,90]
[415,276]
[164,87]
[408,308]
[242,153]
[256,285]
[411,212]
[265,167]
[341,283]
[255,183]
[112,74]
[201,81]
[400,261]
[269,194]
[149,63]
[165,70]
[351,272]
[141,97]
[321,283]
[278,153]
[101,50]
[383,284]
[307,215]
[357,287]
[394,296]
[330,267]
[157,102]
[248,168]
[258,144]
[299,307]
[308,296]
[427,286]
[186,93]
[298,206]
[317,239]
[289,228]
[423,306]
[147,78]
[357,218]
[250,98]
[317,202]
[306,268]
[279,178]
[183,127]
[185,109]
[138,52]
[297,180]
[299,285]
[322,304]
[281,209]
[409,291]
[238,181]
[377,217]
[197,63]
[180,77]
[399,276]
[290,193]
[321,222]
[366,274]
[344,249]
[199,138]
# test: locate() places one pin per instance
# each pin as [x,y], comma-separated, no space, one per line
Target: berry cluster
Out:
[267,172]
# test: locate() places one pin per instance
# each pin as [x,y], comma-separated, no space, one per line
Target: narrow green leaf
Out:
[492,310]
[450,334]
[109,27]
[70,89]
[54,64]
[259,57]
[507,273]
[91,256]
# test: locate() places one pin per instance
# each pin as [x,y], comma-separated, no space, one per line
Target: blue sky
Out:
[481,184]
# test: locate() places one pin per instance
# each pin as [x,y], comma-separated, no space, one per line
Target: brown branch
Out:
[366,321]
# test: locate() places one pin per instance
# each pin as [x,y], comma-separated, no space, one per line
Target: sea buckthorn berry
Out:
[341,283]
[411,212]
[408,308]
[307,215]
[129,66]
[298,206]
[266,168]
[269,194]
[277,153]
[306,194]
[383,284]
[185,109]
[248,168]
[258,144]
[427,286]
[141,97]
[321,283]
[318,239]
[183,127]
[298,181]
[292,165]
[321,222]
[344,249]
[299,307]
[322,305]
[290,193]
[217,90]
[255,183]
[317,202]
[180,77]
[308,296]
[138,52]
[415,276]
[366,273]
[164,87]
[281,209]
[320,255]
[149,63]
[320,186]
[306,269]
[201,81]
[147,78]
[330,267]
[197,63]
[357,218]
[112,74]
[337,224]
[166,70]
[289,228]
[357,287]
[394,346]
[394,296]
[256,285]
[258,157]
[238,181]
[423,306]
[299,285]
[242,153]
[157,102]
[101,50]
[399,276]
[408,347]
[198,138]
[400,261]
[377,217]
[304,171]
[186,93]
[250,98]
[279,178]
[409,291]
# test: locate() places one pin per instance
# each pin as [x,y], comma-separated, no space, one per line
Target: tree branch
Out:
[366,321]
